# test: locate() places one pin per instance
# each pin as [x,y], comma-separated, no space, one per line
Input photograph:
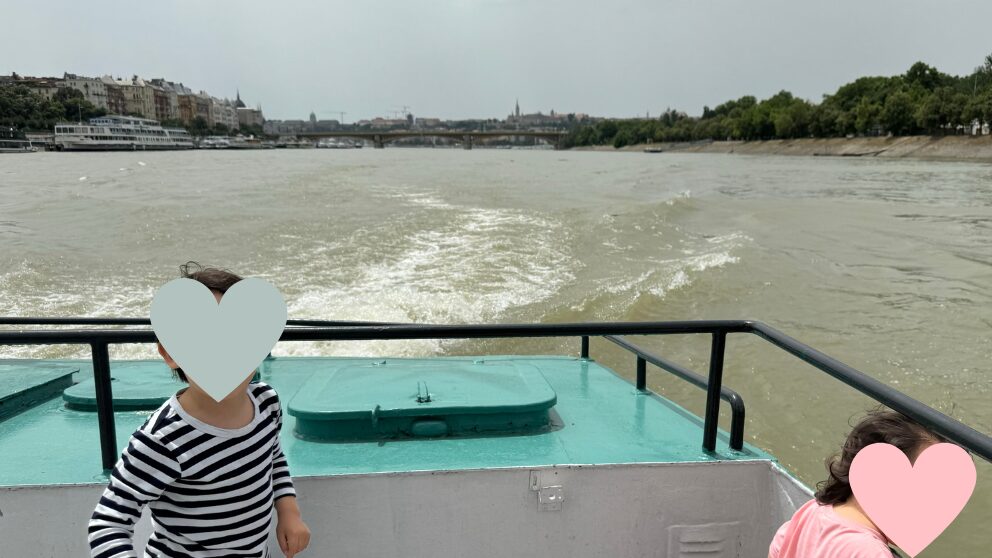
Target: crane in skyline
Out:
[340,113]
[400,113]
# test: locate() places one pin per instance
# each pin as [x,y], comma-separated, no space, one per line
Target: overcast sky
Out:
[474,58]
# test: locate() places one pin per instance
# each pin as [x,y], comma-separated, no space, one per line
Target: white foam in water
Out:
[105,297]
[465,265]
[470,268]
[680,277]
[685,195]
[423,199]
[666,275]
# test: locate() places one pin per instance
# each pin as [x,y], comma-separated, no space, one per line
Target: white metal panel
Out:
[636,510]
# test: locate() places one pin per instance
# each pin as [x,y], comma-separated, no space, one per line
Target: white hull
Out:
[676,510]
[120,133]
[67,146]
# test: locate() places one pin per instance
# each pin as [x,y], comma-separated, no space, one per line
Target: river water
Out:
[883,264]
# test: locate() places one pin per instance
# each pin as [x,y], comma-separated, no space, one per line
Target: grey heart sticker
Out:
[218,345]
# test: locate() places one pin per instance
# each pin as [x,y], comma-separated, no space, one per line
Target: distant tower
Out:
[313,121]
[239,103]
[516,113]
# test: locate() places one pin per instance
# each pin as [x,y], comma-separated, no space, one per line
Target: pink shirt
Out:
[817,531]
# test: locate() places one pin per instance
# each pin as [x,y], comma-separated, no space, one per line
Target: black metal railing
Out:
[317,330]
[645,357]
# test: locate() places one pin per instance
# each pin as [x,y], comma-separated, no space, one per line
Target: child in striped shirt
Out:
[212,473]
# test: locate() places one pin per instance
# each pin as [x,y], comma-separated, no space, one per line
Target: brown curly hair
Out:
[215,279]
[880,426]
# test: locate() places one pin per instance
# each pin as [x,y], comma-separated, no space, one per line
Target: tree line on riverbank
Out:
[25,109]
[921,101]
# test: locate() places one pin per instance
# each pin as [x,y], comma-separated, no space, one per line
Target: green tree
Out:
[785,126]
[940,110]
[925,76]
[866,116]
[624,137]
[928,114]
[897,115]
[979,108]
[800,113]
[199,127]
[75,107]
[607,129]
[823,121]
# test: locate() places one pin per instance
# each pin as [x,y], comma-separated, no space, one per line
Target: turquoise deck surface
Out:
[20,391]
[604,420]
[137,385]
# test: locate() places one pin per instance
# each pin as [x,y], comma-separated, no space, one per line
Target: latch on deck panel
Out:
[549,496]
[423,394]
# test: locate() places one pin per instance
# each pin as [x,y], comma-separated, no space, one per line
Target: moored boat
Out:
[215,142]
[119,133]
[242,142]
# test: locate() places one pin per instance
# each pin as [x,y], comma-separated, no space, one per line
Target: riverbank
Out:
[951,148]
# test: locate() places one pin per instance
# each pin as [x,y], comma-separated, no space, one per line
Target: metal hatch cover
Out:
[396,398]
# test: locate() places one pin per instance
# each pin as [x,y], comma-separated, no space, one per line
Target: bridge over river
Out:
[380,139]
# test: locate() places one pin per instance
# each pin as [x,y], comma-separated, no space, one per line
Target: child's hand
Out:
[292,533]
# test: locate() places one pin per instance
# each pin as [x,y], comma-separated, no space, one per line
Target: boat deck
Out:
[600,418]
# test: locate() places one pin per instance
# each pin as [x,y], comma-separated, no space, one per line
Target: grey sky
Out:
[473,58]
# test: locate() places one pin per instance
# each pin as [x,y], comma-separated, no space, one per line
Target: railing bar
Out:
[104,404]
[584,351]
[736,402]
[955,431]
[642,374]
[931,418]
[712,416]
[737,429]
[405,331]
[146,321]
[660,362]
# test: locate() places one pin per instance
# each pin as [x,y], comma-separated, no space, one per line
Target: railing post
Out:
[104,404]
[642,373]
[737,428]
[585,347]
[713,391]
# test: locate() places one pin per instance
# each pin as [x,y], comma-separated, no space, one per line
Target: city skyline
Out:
[463,59]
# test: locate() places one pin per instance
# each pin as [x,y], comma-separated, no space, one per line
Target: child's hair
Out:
[880,426]
[214,279]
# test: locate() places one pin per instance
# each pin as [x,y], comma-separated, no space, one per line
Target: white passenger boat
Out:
[242,142]
[215,142]
[119,133]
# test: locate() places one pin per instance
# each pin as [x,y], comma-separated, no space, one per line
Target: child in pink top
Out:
[834,525]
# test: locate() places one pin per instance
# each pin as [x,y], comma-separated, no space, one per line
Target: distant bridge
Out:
[379,139]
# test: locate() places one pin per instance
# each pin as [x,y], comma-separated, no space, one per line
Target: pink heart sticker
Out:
[912,504]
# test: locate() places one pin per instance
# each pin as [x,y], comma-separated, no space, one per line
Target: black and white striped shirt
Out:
[211,491]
